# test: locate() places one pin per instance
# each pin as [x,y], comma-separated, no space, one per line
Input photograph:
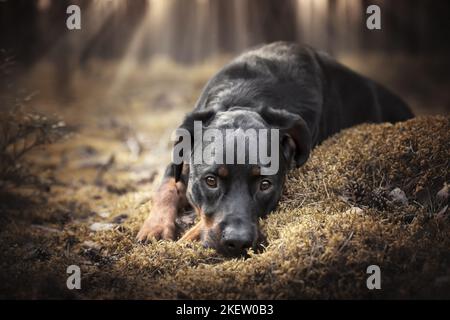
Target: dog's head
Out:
[231,195]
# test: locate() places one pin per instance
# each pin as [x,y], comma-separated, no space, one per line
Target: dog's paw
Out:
[156,230]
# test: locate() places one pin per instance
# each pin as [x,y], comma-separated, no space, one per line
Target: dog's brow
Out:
[222,171]
[217,169]
[256,171]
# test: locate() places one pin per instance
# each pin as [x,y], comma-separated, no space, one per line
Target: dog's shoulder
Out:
[272,72]
[276,61]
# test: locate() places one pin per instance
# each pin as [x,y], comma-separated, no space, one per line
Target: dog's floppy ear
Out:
[295,136]
[204,116]
[188,124]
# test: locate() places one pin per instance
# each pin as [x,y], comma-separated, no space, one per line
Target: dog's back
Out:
[329,96]
[351,98]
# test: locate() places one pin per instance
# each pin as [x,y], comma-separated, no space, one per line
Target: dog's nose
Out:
[237,244]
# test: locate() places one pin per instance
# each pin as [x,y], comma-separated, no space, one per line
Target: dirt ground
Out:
[374,194]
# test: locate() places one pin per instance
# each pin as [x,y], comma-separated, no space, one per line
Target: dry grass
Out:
[22,129]
[317,247]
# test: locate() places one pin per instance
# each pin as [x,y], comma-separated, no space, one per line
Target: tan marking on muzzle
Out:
[195,232]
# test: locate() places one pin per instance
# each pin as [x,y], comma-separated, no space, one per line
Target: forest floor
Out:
[374,194]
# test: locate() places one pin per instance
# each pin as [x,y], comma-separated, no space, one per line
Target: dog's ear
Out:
[205,116]
[188,124]
[295,136]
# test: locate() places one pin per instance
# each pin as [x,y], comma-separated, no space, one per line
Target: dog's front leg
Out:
[168,199]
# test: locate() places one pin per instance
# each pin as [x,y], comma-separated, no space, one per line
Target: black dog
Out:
[306,95]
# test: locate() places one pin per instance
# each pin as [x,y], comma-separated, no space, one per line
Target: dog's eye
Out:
[211,181]
[264,185]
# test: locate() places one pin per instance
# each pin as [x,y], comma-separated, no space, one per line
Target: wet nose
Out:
[236,243]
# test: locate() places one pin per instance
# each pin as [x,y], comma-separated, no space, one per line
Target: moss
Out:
[335,219]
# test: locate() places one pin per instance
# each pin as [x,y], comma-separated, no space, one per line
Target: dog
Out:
[303,93]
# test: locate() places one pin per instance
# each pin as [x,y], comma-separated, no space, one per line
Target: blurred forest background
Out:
[121,38]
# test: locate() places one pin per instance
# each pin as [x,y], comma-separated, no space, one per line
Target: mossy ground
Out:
[335,219]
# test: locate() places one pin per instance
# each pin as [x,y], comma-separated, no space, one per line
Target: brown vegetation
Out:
[338,215]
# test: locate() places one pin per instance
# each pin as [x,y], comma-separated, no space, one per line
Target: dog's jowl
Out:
[304,95]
